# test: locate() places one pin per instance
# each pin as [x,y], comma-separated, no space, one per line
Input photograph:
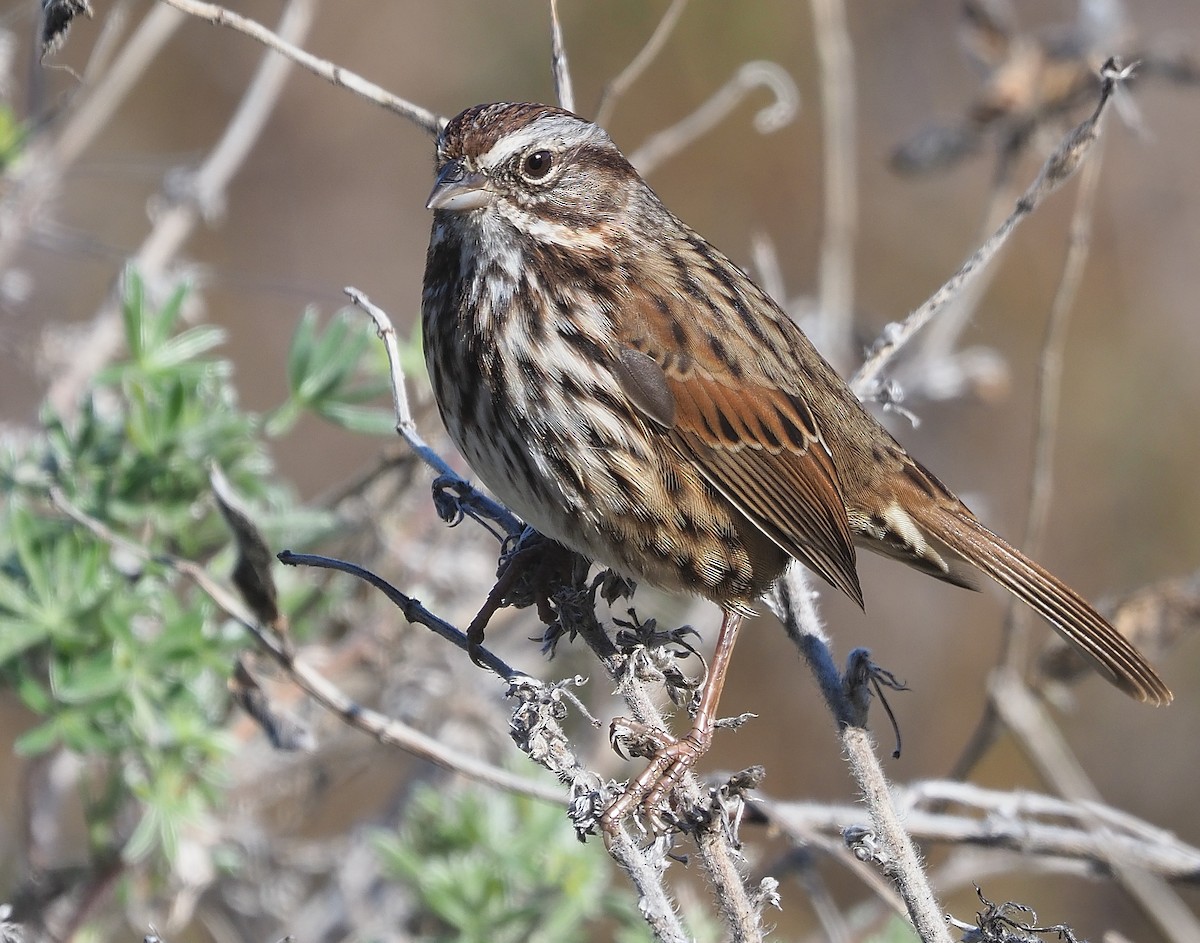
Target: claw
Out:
[671,759]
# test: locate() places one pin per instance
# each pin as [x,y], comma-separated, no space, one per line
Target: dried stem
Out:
[669,142]
[1048,388]
[941,339]
[37,176]
[656,905]
[835,56]
[424,119]
[1055,171]
[559,66]
[793,604]
[407,427]
[1033,825]
[1044,744]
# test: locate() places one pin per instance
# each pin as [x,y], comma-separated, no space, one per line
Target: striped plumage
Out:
[632,394]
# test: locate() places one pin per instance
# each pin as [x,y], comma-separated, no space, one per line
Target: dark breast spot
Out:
[582,343]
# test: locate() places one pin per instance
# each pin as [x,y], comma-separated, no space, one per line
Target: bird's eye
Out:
[536,165]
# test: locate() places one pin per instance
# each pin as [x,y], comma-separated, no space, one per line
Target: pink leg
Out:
[675,757]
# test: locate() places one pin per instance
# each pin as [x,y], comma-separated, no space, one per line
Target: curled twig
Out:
[669,142]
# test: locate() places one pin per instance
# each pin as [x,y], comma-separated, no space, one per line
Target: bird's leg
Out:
[673,758]
[536,557]
[491,605]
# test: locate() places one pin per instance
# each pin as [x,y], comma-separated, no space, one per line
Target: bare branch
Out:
[645,871]
[407,427]
[1049,394]
[35,178]
[897,855]
[1031,824]
[1055,171]
[666,144]
[424,119]
[197,197]
[1042,741]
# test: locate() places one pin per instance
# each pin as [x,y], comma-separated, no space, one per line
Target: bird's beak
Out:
[457,190]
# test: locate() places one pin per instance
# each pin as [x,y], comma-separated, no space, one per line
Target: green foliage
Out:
[324,376]
[125,662]
[486,866]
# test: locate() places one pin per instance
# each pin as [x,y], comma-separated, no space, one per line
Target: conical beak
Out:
[457,190]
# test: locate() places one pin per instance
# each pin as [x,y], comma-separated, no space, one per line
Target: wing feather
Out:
[790,492]
[710,360]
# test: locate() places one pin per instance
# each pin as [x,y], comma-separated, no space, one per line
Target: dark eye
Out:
[536,165]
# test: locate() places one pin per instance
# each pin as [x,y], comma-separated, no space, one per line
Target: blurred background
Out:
[333,194]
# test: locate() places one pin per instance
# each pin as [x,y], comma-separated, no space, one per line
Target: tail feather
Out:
[1109,652]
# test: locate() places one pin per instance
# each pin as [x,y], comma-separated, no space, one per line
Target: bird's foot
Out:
[670,761]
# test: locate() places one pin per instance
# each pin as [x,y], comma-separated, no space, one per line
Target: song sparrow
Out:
[632,394]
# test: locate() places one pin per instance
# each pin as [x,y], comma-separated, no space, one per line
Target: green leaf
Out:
[84,682]
[183,348]
[133,313]
[300,354]
[38,740]
[33,695]
[18,636]
[361,419]
[160,324]
[151,833]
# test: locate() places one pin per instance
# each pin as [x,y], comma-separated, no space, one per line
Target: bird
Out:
[633,395]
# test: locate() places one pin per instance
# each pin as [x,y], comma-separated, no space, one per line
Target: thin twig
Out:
[37,175]
[1048,390]
[1055,171]
[407,428]
[903,862]
[835,57]
[666,144]
[647,54]
[656,906]
[1033,825]
[792,601]
[940,341]
[559,66]
[411,609]
[106,43]
[423,118]
[739,911]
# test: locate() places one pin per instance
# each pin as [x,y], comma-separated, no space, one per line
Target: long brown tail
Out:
[1076,621]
